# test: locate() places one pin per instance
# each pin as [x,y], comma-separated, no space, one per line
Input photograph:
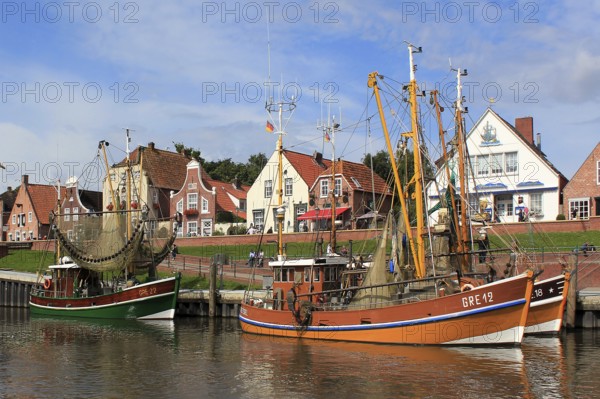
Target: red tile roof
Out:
[43,200]
[369,182]
[306,165]
[224,190]
[166,169]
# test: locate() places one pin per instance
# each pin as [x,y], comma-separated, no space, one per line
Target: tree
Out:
[181,148]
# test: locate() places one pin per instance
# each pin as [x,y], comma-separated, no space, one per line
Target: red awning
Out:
[321,213]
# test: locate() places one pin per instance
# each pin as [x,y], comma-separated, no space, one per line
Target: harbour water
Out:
[203,358]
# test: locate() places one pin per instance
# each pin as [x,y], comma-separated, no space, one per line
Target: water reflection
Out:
[198,357]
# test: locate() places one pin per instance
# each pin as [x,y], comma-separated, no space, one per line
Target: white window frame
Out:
[268,188]
[75,214]
[583,208]
[483,163]
[289,186]
[598,173]
[324,188]
[179,206]
[496,164]
[338,186]
[536,204]
[192,201]
[258,217]
[192,229]
[204,205]
[14,219]
[30,216]
[207,227]
[67,215]
[511,165]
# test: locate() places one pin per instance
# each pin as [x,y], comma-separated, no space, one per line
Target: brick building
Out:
[582,194]
[76,205]
[29,217]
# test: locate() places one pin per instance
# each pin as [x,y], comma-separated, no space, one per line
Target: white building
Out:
[509,173]
[299,173]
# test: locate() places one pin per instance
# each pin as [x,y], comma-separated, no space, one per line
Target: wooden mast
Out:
[463,243]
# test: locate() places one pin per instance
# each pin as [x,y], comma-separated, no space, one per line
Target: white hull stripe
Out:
[110,305]
[552,326]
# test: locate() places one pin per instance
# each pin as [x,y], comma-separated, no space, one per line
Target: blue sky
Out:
[194,72]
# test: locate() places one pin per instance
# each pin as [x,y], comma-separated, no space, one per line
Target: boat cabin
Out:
[69,280]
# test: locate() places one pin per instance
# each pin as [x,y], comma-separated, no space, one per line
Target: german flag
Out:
[269,128]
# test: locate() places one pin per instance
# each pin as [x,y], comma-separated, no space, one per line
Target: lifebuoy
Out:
[466,287]
[47,283]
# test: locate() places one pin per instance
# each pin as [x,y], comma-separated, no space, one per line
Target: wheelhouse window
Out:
[330,274]
[316,275]
[283,274]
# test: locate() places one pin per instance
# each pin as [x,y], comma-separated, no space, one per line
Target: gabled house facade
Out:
[155,174]
[582,193]
[510,178]
[29,217]
[7,200]
[205,202]
[76,205]
[299,173]
[361,197]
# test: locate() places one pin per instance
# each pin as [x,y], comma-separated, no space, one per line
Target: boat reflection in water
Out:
[349,369]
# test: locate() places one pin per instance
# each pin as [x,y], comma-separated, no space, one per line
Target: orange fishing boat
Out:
[337,298]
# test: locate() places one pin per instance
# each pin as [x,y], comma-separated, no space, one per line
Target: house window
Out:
[179,206]
[31,235]
[289,186]
[242,205]
[511,162]
[30,217]
[17,235]
[206,227]
[204,205]
[338,186]
[496,164]
[324,188]
[598,173]
[192,201]
[268,188]
[483,167]
[75,214]
[192,229]
[535,205]
[259,218]
[67,213]
[14,219]
[356,182]
[70,235]
[579,208]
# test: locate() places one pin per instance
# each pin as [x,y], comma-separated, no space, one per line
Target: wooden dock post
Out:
[572,294]
[212,288]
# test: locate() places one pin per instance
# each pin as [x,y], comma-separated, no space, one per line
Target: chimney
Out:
[25,180]
[525,127]
[151,145]
[318,157]
[538,141]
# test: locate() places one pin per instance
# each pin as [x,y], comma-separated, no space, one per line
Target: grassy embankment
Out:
[33,261]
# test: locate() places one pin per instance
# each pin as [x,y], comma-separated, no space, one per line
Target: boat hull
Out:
[154,300]
[492,314]
[548,300]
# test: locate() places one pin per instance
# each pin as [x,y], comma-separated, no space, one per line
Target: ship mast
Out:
[417,177]
[280,107]
[464,236]
[329,131]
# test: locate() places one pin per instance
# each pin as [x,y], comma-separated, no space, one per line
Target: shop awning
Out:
[315,214]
